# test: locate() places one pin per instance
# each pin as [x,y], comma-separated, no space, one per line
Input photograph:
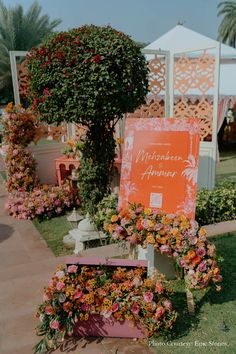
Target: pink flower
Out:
[159,312]
[49,310]
[84,307]
[168,305]
[60,285]
[164,249]
[202,267]
[46,297]
[72,269]
[159,288]
[77,294]
[183,263]
[55,324]
[135,308]
[201,252]
[148,296]
[115,307]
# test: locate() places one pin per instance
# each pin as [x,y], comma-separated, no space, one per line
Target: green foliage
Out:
[95,166]
[19,31]
[89,75]
[86,75]
[106,208]
[227,28]
[216,205]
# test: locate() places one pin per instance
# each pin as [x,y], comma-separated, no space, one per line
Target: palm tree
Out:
[227,28]
[20,31]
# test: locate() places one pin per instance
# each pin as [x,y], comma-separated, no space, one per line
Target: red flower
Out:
[97,58]
[46,92]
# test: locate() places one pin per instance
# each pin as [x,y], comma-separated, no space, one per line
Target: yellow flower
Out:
[89,298]
[147,211]
[86,317]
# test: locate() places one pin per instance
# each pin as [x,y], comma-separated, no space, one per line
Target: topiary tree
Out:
[92,76]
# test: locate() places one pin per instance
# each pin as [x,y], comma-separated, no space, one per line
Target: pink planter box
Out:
[99,326]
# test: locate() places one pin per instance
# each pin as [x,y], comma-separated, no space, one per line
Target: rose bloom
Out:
[46,297]
[183,263]
[202,267]
[159,288]
[201,252]
[72,269]
[135,308]
[148,296]
[49,310]
[159,312]
[55,324]
[77,294]
[60,285]
[115,307]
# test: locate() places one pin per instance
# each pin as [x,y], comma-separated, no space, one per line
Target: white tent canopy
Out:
[181,38]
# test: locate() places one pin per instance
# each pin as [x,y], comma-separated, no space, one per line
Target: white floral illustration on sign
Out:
[191,170]
[129,188]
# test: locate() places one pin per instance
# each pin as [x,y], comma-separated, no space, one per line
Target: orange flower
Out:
[216,271]
[161,240]
[191,254]
[174,231]
[196,260]
[150,239]
[114,218]
[202,232]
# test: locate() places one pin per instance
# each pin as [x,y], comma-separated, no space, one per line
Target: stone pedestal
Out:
[86,231]
[157,261]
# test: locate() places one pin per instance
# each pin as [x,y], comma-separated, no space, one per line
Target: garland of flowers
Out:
[43,202]
[28,199]
[21,170]
[77,292]
[19,129]
[174,235]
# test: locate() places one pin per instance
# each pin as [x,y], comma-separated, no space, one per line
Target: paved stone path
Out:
[26,265]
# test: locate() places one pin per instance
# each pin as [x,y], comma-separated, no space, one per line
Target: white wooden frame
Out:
[208,149]
[13,55]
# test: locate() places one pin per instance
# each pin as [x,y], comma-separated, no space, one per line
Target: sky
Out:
[143,20]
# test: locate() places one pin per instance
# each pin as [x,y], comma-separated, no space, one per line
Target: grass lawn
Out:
[215,320]
[53,231]
[226,168]
[3,174]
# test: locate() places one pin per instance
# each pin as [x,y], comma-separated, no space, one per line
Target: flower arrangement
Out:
[77,292]
[21,169]
[43,202]
[174,235]
[19,129]
[19,125]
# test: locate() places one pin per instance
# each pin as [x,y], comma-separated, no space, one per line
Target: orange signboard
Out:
[160,164]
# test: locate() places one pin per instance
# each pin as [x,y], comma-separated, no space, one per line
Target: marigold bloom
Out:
[114,218]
